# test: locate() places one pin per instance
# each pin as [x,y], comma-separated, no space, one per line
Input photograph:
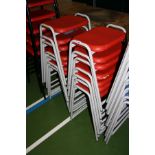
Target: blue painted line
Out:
[39,104]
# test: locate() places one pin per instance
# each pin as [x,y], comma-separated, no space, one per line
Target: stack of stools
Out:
[37,14]
[37,11]
[118,99]
[93,59]
[55,36]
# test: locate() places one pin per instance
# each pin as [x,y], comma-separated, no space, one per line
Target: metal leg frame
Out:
[118,99]
[53,43]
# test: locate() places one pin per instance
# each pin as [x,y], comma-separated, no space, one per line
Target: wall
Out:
[119,5]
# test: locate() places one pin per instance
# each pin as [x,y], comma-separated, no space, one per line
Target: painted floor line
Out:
[36,102]
[47,135]
[39,103]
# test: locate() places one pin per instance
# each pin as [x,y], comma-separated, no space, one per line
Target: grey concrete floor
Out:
[98,16]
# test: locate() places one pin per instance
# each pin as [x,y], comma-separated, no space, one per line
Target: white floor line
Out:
[36,102]
[47,135]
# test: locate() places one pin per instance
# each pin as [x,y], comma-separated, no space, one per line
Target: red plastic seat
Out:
[80,49]
[67,23]
[105,66]
[65,71]
[30,50]
[41,15]
[34,3]
[103,91]
[99,67]
[67,37]
[35,26]
[37,42]
[101,75]
[106,58]
[65,68]
[100,39]
[65,64]
[101,83]
[101,57]
[63,55]
[63,48]
[53,62]
[64,38]
[83,66]
[28,41]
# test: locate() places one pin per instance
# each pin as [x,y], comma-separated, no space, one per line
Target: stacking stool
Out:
[55,36]
[93,59]
[37,14]
[118,99]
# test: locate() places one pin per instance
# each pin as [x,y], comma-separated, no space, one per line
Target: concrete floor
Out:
[98,16]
